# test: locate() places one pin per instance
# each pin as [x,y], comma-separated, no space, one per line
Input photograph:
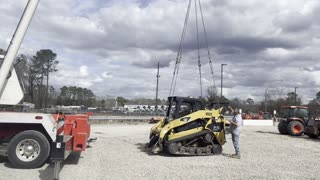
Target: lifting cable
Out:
[179,55]
[209,55]
[207,44]
[199,62]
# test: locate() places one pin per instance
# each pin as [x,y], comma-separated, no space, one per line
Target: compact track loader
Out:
[189,129]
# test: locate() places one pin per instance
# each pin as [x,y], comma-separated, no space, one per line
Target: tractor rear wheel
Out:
[295,128]
[283,127]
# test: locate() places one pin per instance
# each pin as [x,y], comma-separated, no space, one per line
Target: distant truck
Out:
[293,120]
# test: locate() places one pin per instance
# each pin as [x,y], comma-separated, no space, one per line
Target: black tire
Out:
[209,137]
[217,149]
[283,127]
[17,150]
[295,128]
[173,148]
[199,151]
[192,150]
[182,150]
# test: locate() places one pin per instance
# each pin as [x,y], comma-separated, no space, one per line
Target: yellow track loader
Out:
[189,128]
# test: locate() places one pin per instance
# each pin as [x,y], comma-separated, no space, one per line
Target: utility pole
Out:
[221,80]
[265,100]
[295,96]
[158,76]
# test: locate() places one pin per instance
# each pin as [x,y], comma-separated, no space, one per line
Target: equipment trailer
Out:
[30,139]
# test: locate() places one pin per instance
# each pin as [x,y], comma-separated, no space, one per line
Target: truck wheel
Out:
[283,127]
[295,128]
[28,149]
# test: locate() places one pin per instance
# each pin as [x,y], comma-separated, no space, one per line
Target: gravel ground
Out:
[119,154]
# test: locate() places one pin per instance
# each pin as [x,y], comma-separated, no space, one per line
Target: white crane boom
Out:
[7,64]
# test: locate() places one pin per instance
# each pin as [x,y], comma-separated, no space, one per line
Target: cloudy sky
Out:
[113,47]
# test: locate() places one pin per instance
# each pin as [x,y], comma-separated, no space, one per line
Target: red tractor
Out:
[293,120]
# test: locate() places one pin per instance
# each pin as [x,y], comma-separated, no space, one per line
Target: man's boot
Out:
[237,156]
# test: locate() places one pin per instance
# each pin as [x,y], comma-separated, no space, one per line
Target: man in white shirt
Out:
[235,126]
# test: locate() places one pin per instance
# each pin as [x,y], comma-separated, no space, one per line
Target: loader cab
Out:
[181,106]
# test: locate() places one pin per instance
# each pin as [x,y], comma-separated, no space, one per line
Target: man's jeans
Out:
[236,141]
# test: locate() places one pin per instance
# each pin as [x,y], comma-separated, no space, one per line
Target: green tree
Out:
[292,98]
[314,106]
[250,102]
[47,61]
[236,103]
[121,100]
[212,94]
[74,95]
[34,69]
[102,103]
[318,96]
[42,64]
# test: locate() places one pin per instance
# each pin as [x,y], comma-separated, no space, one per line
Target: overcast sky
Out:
[112,47]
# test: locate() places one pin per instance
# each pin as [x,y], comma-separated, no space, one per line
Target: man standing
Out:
[235,125]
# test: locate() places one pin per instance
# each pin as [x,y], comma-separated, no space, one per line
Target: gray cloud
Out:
[294,22]
[266,44]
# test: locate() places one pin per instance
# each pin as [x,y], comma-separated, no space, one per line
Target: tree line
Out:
[274,100]
[34,73]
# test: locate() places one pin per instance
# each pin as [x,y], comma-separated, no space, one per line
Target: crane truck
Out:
[30,139]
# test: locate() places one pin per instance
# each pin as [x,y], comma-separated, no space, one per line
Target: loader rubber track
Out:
[189,136]
[175,146]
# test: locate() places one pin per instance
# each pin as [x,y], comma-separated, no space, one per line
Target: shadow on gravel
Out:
[98,133]
[268,132]
[6,162]
[306,138]
[142,147]
[300,137]
[228,155]
[47,174]
[3,159]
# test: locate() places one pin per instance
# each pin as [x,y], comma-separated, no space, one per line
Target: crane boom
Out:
[14,46]
[30,139]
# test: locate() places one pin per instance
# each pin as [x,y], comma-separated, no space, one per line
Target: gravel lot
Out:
[119,154]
